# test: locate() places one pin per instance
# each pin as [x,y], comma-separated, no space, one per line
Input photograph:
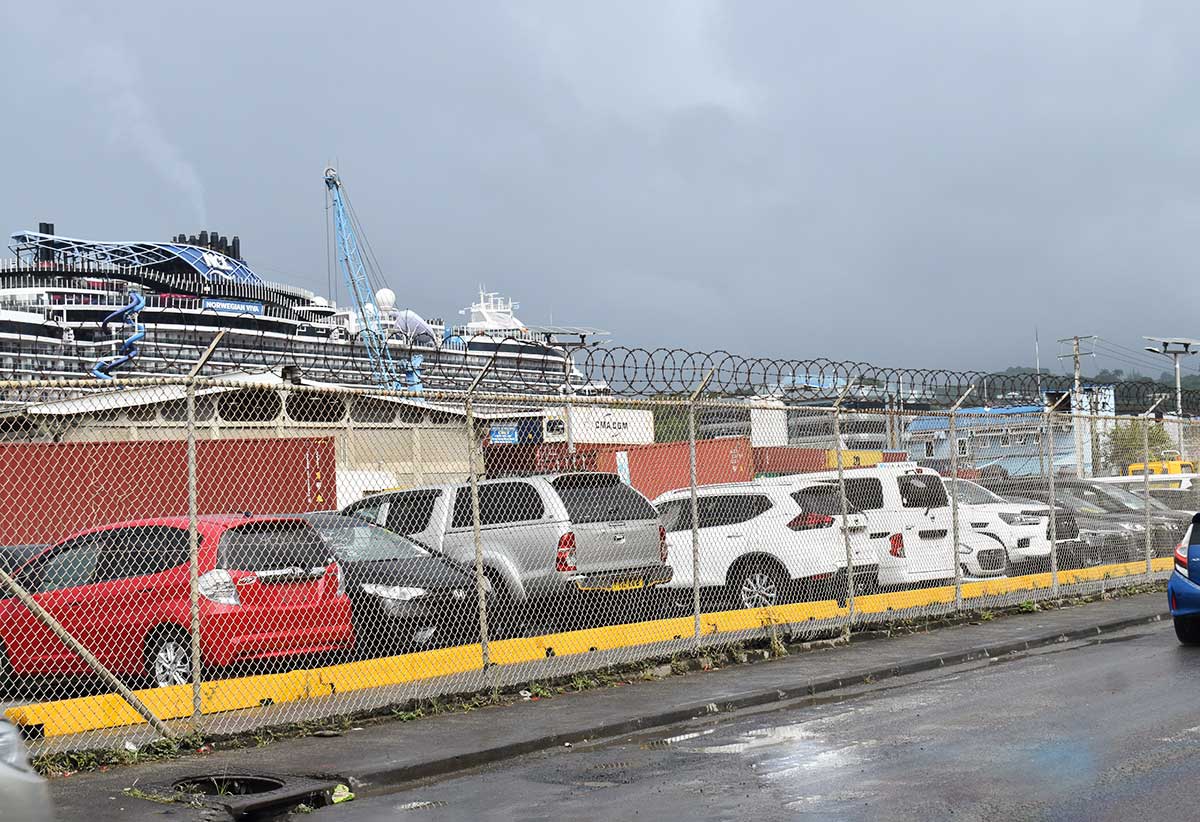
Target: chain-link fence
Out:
[223,555]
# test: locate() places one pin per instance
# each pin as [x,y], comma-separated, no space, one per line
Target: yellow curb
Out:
[91,713]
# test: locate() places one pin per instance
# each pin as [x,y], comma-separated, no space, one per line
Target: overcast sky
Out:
[916,184]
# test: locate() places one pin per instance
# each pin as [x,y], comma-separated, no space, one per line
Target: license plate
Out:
[627,585]
[620,585]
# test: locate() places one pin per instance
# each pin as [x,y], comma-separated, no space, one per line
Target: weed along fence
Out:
[224,555]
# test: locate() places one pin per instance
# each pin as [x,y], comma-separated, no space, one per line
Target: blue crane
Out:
[384,370]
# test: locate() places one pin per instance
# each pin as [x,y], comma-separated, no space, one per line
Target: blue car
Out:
[1183,591]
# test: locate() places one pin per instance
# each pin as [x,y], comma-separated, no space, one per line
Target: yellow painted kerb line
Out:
[91,713]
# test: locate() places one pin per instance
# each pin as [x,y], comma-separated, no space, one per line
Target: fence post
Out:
[845,504]
[193,558]
[480,584]
[692,483]
[691,410]
[954,498]
[1146,483]
[197,663]
[1146,491]
[1051,449]
[47,619]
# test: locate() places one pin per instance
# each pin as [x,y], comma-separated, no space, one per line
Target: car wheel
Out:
[169,657]
[1187,629]
[502,611]
[757,585]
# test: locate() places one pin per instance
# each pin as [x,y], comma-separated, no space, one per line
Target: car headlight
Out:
[1132,526]
[1091,537]
[397,593]
[964,549]
[12,749]
[1020,519]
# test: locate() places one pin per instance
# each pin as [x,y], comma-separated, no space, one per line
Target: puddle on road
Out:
[760,738]
[675,740]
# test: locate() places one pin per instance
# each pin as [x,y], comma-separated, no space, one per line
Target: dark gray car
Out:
[403,596]
[1108,533]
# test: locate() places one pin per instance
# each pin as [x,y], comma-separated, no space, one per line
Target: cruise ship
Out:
[72,308]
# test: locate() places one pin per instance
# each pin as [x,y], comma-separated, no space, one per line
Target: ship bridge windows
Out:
[305,407]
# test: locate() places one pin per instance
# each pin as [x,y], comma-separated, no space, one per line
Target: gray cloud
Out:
[98,77]
[909,184]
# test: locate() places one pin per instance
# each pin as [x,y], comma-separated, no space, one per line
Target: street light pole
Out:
[1175,348]
[1178,387]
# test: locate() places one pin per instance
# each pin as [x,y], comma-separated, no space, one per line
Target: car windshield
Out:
[353,540]
[1134,502]
[969,493]
[1080,505]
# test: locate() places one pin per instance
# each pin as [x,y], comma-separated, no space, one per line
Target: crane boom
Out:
[383,369]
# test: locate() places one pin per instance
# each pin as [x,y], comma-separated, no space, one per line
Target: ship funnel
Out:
[44,254]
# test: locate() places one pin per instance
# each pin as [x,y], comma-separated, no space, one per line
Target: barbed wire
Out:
[519,364]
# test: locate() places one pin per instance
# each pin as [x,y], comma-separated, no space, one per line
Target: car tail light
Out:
[1181,558]
[565,559]
[662,544]
[218,586]
[341,579]
[806,522]
[897,545]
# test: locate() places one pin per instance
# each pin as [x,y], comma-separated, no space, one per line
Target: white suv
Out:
[1021,530]
[763,542]
[908,524]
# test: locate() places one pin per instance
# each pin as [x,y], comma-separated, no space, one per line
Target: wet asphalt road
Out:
[1104,730]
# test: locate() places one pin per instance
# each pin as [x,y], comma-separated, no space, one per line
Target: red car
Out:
[268,588]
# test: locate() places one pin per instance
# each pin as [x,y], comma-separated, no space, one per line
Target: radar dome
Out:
[386,299]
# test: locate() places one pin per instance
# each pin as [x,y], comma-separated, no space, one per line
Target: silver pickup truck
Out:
[542,536]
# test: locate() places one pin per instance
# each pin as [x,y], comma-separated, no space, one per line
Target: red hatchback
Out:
[268,587]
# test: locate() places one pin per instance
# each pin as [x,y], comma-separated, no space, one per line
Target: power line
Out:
[1118,351]
[1138,362]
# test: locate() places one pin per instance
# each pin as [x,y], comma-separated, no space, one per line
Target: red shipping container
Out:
[665,466]
[789,459]
[532,460]
[53,490]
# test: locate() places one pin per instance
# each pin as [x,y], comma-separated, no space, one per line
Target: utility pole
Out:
[1076,402]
